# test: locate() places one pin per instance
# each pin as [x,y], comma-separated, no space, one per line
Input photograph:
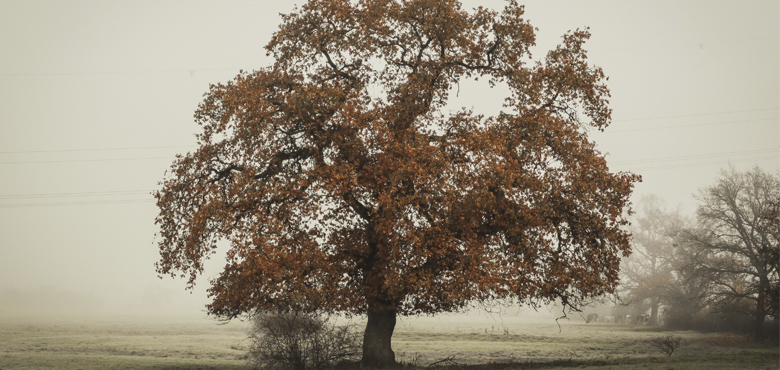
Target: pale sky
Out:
[96,98]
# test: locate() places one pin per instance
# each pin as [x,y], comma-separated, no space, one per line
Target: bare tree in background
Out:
[771,223]
[648,273]
[690,284]
[737,243]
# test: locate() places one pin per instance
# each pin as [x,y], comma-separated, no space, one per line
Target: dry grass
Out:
[119,343]
[728,339]
[511,343]
[469,343]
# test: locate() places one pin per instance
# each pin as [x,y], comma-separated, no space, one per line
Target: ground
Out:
[475,342]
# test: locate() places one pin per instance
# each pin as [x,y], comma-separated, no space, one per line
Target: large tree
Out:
[737,243]
[343,183]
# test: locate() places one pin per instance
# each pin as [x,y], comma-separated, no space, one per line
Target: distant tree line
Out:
[717,271]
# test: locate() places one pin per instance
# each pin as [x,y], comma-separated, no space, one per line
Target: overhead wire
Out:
[96,149]
[76,195]
[698,164]
[82,203]
[686,44]
[190,146]
[709,159]
[86,160]
[69,202]
[696,115]
[696,156]
[190,71]
[689,125]
[650,164]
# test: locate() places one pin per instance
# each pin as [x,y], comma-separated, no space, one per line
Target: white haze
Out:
[96,97]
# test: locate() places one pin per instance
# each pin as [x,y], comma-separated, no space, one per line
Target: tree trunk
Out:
[759,330]
[377,350]
[760,315]
[653,311]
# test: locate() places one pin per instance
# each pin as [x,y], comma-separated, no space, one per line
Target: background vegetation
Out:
[715,272]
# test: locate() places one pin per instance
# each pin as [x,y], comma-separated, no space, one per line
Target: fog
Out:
[96,98]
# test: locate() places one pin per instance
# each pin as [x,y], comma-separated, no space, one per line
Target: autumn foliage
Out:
[342,182]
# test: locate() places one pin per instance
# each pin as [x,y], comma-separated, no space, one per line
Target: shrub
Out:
[666,344]
[300,341]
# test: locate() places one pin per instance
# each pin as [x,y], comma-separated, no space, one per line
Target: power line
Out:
[87,160]
[131,201]
[719,162]
[97,194]
[80,203]
[190,71]
[658,163]
[97,149]
[697,115]
[691,125]
[76,195]
[699,44]
[697,156]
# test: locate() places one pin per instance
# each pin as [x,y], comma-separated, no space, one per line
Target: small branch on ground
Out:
[449,361]
[666,344]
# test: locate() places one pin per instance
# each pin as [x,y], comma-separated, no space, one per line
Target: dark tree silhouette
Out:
[737,243]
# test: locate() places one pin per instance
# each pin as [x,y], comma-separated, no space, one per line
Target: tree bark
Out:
[654,302]
[759,329]
[761,309]
[377,349]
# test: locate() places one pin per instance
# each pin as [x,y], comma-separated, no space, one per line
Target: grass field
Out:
[149,342]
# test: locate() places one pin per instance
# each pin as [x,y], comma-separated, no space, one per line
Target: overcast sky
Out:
[96,97]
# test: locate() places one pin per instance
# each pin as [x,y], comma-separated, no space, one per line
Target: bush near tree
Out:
[291,340]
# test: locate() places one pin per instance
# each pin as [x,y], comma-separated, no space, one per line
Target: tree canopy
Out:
[342,182]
